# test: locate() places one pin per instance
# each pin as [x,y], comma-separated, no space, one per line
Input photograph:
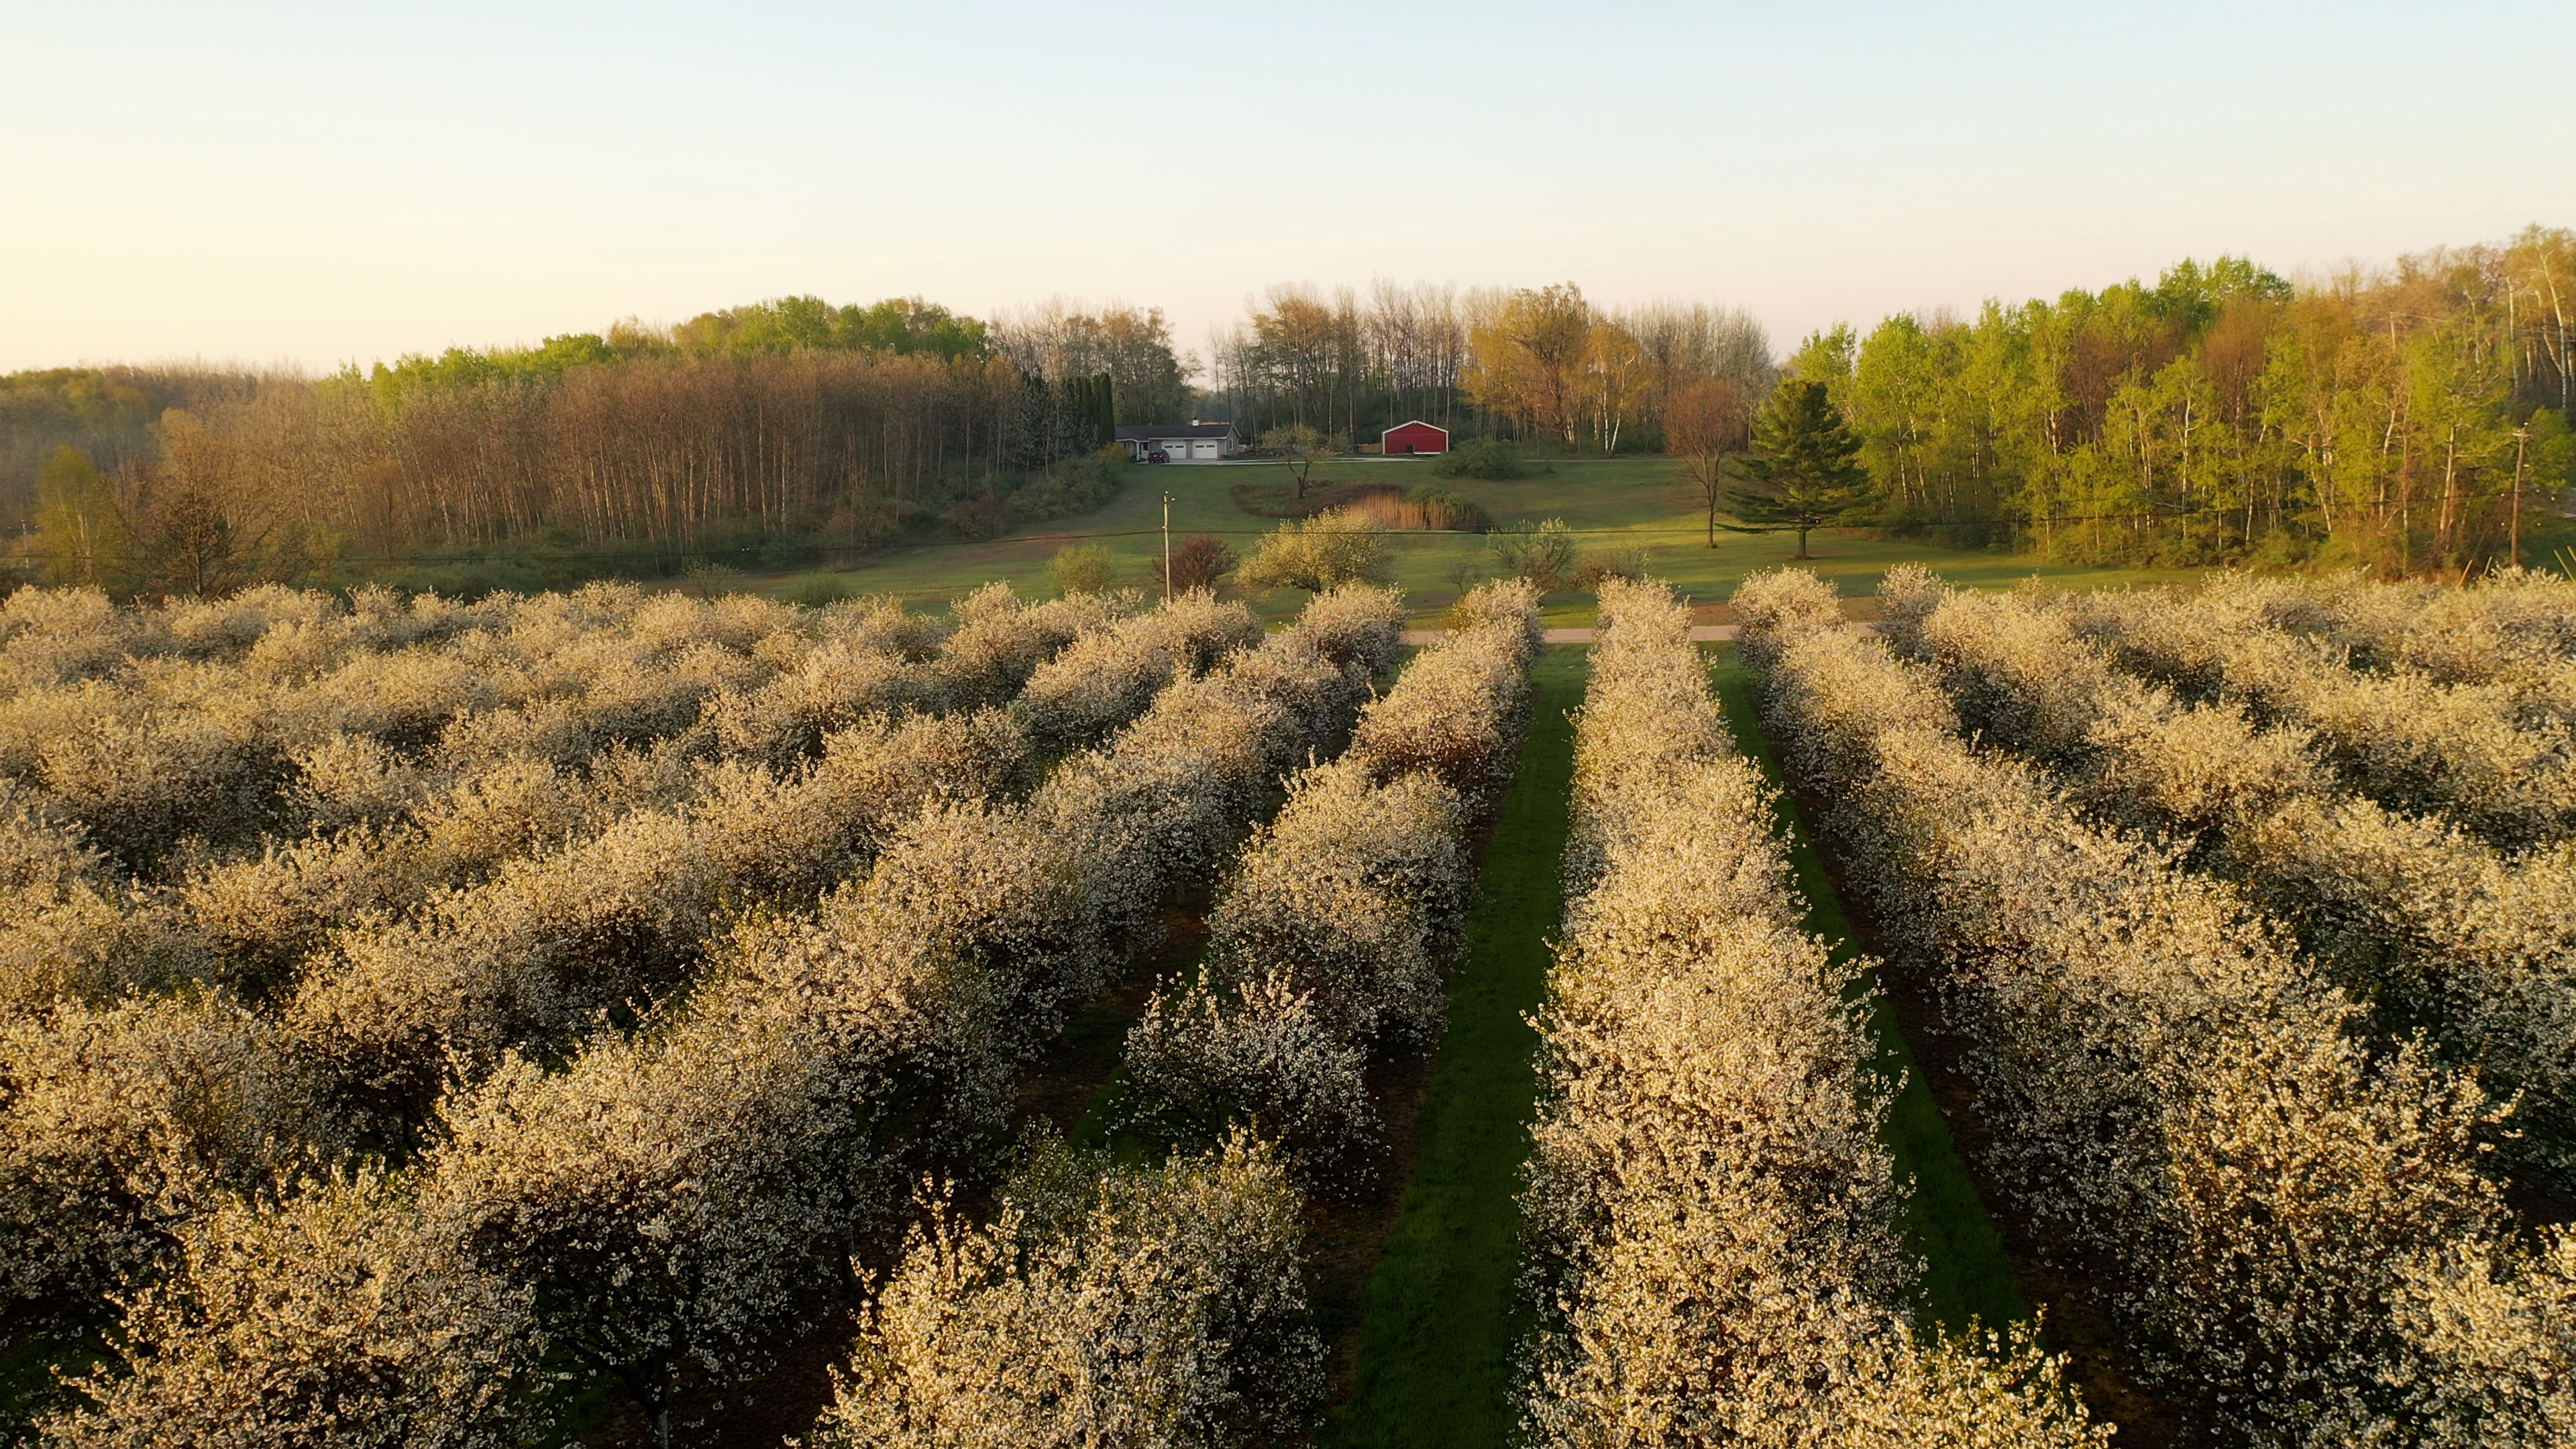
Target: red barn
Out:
[1415,437]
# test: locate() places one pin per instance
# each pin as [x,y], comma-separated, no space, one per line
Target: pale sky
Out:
[317,183]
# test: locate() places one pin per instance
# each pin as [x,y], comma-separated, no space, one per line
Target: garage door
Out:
[1204,448]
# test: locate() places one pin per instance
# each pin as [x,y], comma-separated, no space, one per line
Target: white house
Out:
[1190,442]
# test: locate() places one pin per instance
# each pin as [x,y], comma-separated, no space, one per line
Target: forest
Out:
[2409,419]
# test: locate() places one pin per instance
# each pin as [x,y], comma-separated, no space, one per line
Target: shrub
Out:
[1084,568]
[1111,675]
[1257,1054]
[1625,564]
[2402,738]
[1458,710]
[2430,927]
[1489,459]
[1541,555]
[669,1195]
[815,591]
[1198,561]
[1321,553]
[1330,935]
[119,1125]
[1426,507]
[1355,894]
[345,1326]
[711,579]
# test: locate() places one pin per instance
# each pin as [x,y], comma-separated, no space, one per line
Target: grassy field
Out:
[1439,1316]
[1616,503]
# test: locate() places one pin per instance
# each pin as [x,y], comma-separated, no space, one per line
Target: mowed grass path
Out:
[1440,1316]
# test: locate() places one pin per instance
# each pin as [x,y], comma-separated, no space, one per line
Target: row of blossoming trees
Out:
[560,989]
[1166,1305]
[1711,1214]
[416,1012]
[2250,915]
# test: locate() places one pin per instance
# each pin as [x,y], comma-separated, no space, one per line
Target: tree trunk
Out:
[1802,544]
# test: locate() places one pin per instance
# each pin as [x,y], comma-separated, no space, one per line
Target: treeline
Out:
[2407,420]
[1543,365]
[2411,420]
[762,433]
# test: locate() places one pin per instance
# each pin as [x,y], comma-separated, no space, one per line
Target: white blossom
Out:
[1158,1307]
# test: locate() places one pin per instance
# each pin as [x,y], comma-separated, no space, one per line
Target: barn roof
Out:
[1151,431]
[1419,423]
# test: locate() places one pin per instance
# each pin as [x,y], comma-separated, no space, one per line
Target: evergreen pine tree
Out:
[1804,471]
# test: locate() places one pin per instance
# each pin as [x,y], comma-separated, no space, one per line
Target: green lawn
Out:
[1619,503]
[1440,1315]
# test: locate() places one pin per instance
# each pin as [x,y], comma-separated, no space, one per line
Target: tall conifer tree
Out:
[1804,471]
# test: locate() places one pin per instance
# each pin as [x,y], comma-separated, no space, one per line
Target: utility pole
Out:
[2521,441]
[1167,544]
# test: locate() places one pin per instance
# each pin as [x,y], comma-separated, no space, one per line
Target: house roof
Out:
[1151,431]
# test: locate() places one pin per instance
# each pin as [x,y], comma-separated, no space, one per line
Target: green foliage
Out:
[899,325]
[1301,446]
[712,579]
[1490,459]
[1084,568]
[1824,357]
[1616,563]
[1318,554]
[1541,555]
[1068,488]
[2221,415]
[468,367]
[817,591]
[81,534]
[1092,403]
[1802,472]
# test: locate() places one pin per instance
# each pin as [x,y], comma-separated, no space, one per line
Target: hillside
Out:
[1615,504]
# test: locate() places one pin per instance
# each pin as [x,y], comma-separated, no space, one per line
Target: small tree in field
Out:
[1704,424]
[1198,561]
[1303,447]
[1804,471]
[1084,568]
[1321,553]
